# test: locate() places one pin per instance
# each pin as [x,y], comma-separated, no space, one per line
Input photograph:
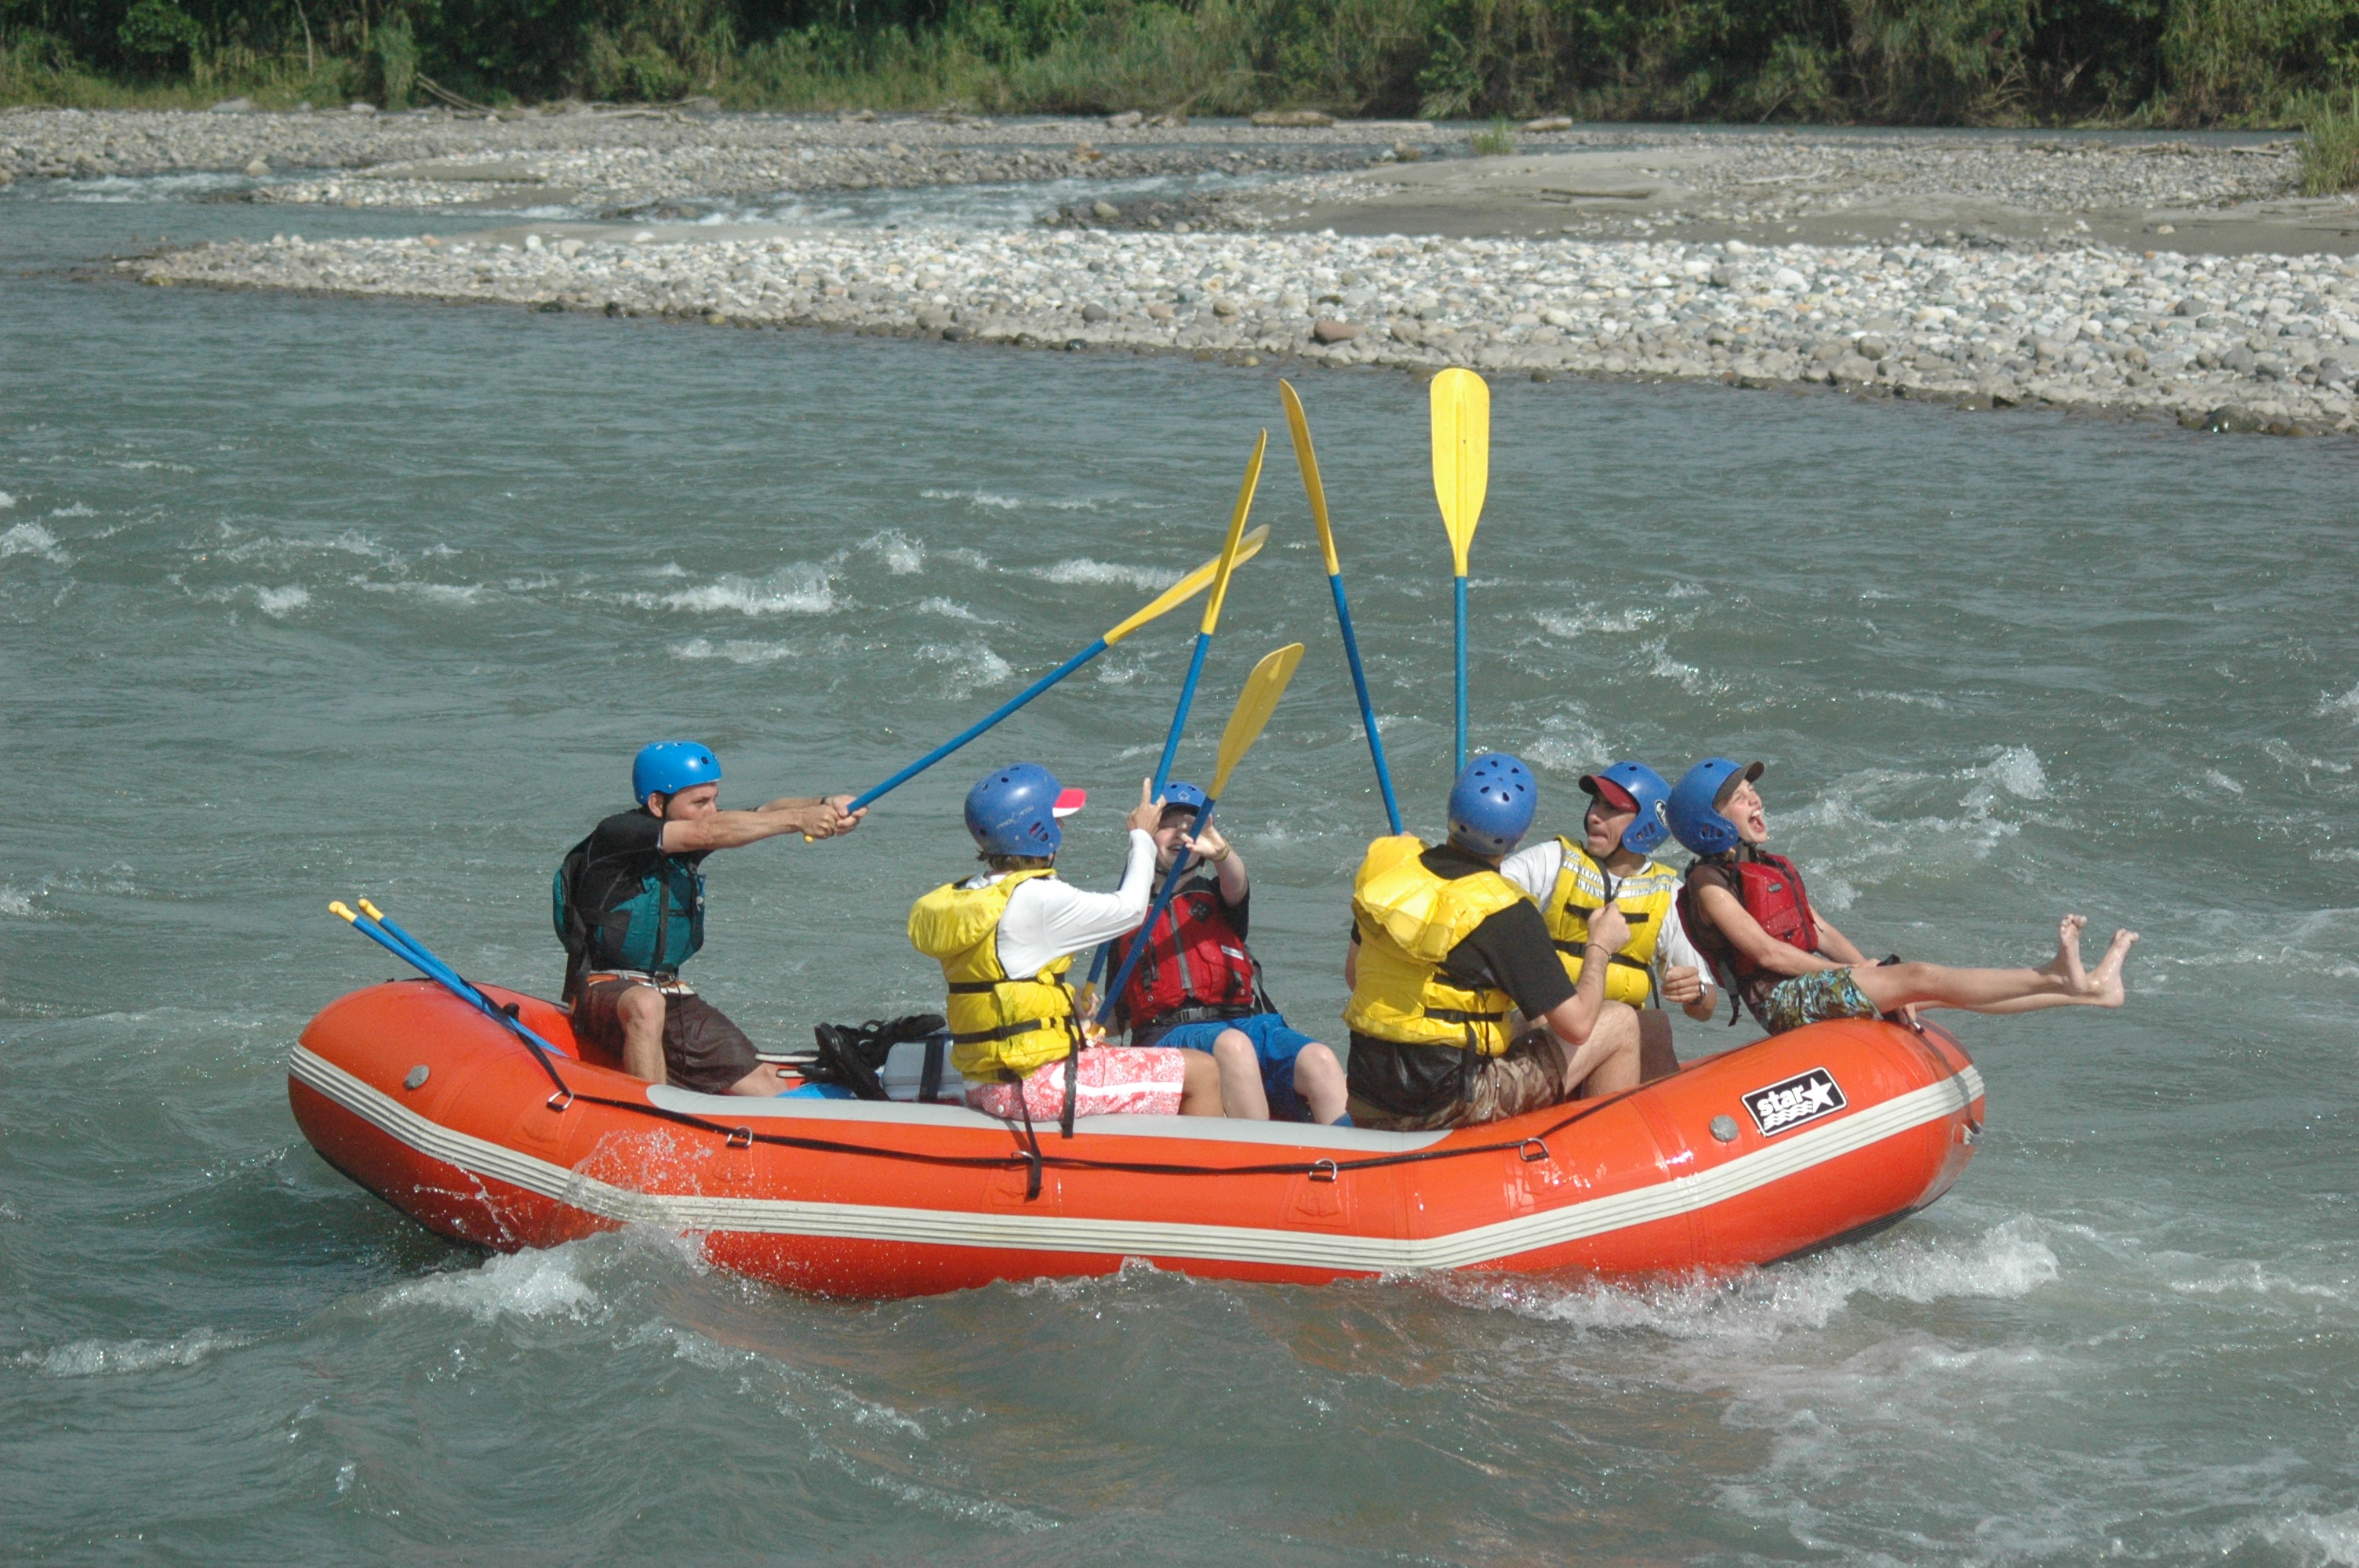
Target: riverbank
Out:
[2245,344]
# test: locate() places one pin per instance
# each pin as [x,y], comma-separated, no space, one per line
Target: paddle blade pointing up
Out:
[1461,456]
[1308,461]
[1188,587]
[1255,705]
[1236,530]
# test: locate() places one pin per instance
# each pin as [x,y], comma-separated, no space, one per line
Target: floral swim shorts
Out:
[1815,997]
[1112,1081]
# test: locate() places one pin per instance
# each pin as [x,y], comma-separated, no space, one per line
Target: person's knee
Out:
[641,1007]
[1317,1062]
[1200,1070]
[1234,1048]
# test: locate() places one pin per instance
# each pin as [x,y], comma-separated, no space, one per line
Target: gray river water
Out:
[301,598]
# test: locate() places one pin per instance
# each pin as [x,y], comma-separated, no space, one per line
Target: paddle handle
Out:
[1163,896]
[1179,714]
[408,948]
[1367,709]
[1002,711]
[1458,596]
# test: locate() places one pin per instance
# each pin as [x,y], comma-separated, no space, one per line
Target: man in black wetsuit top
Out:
[630,910]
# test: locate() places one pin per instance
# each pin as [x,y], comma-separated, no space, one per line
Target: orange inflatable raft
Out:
[1773,1149]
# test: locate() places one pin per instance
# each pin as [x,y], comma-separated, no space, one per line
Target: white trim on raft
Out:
[1158,1238]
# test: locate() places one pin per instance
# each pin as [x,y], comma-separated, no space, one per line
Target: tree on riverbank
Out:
[2179,62]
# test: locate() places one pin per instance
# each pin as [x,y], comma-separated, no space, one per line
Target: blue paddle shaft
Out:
[1367,709]
[1458,592]
[414,952]
[1179,714]
[1179,864]
[1002,711]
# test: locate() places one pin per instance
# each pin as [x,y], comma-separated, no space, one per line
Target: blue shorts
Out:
[1276,1044]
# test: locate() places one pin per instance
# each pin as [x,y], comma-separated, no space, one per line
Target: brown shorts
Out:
[1529,1076]
[703,1050]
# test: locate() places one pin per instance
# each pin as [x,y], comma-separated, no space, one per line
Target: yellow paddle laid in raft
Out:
[1462,473]
[1246,721]
[1316,490]
[1213,574]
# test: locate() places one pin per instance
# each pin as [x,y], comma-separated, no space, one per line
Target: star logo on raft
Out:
[1793,1102]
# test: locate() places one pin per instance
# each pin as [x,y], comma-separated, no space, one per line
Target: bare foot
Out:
[2066,964]
[2106,982]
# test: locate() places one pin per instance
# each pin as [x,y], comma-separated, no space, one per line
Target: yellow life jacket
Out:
[999,1026]
[1645,898]
[1409,919]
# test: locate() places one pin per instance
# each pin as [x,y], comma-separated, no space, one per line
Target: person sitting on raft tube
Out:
[1005,939]
[1198,987]
[1571,881]
[1444,948]
[630,910]
[1749,913]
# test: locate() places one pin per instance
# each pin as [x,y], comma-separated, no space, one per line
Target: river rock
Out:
[1106,211]
[1126,120]
[1328,331]
[257,168]
[1294,119]
[1094,312]
[234,106]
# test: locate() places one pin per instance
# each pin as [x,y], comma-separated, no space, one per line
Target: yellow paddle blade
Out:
[341,912]
[1188,587]
[1308,461]
[1461,456]
[1236,531]
[1255,705]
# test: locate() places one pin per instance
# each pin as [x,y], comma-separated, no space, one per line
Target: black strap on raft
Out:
[930,1078]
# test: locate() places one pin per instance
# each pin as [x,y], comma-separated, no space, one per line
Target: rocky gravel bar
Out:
[2253,342]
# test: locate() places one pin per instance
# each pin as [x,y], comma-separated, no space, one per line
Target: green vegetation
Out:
[2151,62]
[2330,156]
[1495,140]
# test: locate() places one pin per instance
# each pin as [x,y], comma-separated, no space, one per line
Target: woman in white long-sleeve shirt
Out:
[1006,937]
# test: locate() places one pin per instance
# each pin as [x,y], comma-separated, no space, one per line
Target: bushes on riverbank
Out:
[1887,61]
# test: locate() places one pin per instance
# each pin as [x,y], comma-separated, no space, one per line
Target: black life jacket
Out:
[652,928]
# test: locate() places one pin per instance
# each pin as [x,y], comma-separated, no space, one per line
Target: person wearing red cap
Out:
[1571,880]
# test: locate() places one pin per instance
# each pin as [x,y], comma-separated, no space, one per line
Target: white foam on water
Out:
[2017,770]
[519,1284]
[2006,1262]
[972,664]
[1589,618]
[979,499]
[280,603]
[2334,854]
[6,501]
[1567,745]
[2331,1541]
[2347,703]
[2219,780]
[32,539]
[102,1357]
[670,568]
[950,609]
[904,556]
[1692,679]
[17,904]
[432,592]
[1082,569]
[76,510]
[964,558]
[2250,1278]
[794,590]
[737,651]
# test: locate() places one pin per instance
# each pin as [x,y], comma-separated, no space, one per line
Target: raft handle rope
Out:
[382,930]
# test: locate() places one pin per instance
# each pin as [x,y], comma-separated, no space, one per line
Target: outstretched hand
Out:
[830,818]
[1148,815]
[1210,848]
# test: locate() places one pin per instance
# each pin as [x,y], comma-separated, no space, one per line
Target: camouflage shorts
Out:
[1813,999]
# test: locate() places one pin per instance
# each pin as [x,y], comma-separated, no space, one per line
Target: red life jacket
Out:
[1194,960]
[1771,892]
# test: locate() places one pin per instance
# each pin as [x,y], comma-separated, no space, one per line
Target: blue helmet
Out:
[1492,804]
[1014,811]
[667,767]
[1178,792]
[1694,810]
[1647,791]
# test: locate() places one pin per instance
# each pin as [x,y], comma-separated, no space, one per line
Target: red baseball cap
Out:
[1070,801]
[1612,793]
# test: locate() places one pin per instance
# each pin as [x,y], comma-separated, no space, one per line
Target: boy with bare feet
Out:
[1746,911]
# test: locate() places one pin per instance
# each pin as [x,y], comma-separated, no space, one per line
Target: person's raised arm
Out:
[1573,1019]
[733,829]
[1745,934]
[1227,864]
